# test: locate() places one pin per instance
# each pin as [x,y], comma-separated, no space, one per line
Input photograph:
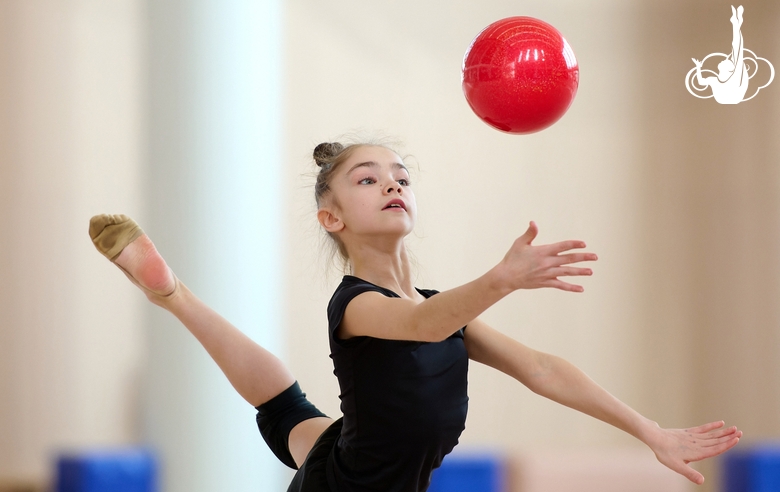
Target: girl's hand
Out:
[532,267]
[675,448]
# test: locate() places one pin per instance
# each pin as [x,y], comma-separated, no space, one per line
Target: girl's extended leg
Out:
[254,372]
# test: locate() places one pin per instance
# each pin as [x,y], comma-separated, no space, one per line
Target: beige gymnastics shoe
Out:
[111,234]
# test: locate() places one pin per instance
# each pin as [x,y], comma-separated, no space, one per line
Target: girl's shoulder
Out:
[353,282]
[356,285]
[351,287]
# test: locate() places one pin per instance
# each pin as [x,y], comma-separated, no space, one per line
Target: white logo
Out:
[735,70]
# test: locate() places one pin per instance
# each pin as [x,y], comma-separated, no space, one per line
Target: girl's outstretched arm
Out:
[560,381]
[525,266]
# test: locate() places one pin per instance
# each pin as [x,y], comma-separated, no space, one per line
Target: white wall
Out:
[72,116]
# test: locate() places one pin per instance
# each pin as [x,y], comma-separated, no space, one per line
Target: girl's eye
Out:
[404,182]
[366,179]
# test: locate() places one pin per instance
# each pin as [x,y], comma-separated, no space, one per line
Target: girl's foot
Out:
[122,241]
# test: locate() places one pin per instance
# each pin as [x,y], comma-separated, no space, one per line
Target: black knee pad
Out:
[277,417]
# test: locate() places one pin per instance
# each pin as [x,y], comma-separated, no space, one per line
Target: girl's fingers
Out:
[557,248]
[724,445]
[530,234]
[569,272]
[693,475]
[703,450]
[730,432]
[706,427]
[709,452]
[683,469]
[574,258]
[559,284]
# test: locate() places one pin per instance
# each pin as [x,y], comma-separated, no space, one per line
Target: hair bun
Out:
[325,152]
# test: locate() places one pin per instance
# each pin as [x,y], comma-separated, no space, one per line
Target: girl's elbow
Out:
[536,382]
[541,374]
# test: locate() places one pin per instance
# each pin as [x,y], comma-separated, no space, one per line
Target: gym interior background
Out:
[198,119]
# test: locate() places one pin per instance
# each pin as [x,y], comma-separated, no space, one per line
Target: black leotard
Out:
[404,403]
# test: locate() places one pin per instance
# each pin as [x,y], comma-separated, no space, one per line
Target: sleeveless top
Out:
[404,403]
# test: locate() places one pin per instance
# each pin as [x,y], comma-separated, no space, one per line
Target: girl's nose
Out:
[396,188]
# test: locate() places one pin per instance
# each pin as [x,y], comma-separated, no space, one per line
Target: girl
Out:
[400,353]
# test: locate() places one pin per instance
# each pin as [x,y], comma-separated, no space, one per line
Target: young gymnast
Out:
[400,353]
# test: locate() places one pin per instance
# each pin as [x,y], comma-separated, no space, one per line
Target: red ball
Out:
[520,75]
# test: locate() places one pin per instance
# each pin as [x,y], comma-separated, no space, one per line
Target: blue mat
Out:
[752,469]
[127,470]
[464,473]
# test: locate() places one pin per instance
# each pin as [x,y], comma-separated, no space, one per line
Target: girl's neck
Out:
[390,269]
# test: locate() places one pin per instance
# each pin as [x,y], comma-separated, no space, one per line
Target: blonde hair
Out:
[329,156]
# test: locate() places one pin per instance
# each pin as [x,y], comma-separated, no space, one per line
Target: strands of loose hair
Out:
[329,156]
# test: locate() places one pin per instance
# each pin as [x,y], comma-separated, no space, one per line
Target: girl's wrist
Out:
[496,281]
[648,432]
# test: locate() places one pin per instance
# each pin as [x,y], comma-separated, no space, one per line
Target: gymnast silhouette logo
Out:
[735,70]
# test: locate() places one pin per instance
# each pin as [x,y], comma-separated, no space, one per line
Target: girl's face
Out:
[372,196]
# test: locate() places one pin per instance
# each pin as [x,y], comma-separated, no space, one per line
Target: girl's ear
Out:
[329,221]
